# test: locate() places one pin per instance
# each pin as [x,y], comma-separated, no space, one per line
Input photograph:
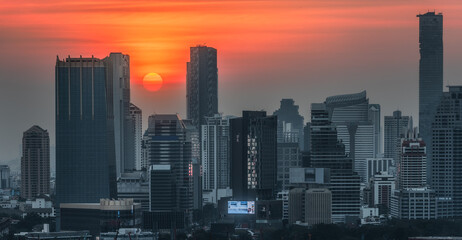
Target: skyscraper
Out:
[5,177]
[290,122]
[430,73]
[412,164]
[253,155]
[85,131]
[169,149]
[396,127]
[447,154]
[356,122]
[35,163]
[137,128]
[215,157]
[201,84]
[327,151]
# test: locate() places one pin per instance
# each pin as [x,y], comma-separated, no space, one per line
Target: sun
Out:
[152,82]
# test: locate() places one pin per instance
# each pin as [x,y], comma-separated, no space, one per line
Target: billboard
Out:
[241,207]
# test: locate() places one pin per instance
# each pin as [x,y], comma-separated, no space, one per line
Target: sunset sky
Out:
[267,50]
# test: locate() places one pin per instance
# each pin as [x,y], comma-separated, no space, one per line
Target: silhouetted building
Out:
[430,74]
[318,206]
[290,122]
[328,152]
[396,127]
[358,127]
[5,177]
[296,205]
[137,132]
[92,127]
[35,163]
[253,155]
[216,164]
[447,154]
[169,147]
[201,84]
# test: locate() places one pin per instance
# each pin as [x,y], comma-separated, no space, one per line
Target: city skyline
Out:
[378,52]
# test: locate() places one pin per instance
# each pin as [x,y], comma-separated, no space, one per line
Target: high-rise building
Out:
[327,151]
[35,163]
[201,84]
[377,165]
[430,74]
[396,127]
[296,205]
[414,203]
[86,129]
[118,96]
[5,177]
[358,127]
[253,155]
[289,157]
[170,151]
[412,164]
[382,185]
[447,154]
[215,157]
[290,122]
[137,131]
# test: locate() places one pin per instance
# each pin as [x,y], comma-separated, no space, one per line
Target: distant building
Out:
[67,235]
[201,84]
[318,206]
[328,152]
[134,185]
[290,123]
[396,127]
[42,206]
[105,216]
[430,74]
[289,157]
[414,203]
[253,155]
[284,197]
[137,128]
[382,186]
[296,205]
[358,127]
[446,167]
[309,176]
[5,181]
[412,164]
[377,165]
[215,155]
[35,163]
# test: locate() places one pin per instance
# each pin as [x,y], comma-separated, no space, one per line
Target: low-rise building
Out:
[414,203]
[128,234]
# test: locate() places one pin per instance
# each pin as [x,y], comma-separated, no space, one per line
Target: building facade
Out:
[137,132]
[318,206]
[201,84]
[35,163]
[396,127]
[412,164]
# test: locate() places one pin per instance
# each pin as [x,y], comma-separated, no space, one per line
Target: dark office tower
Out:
[85,145]
[5,177]
[396,127]
[35,163]
[290,122]
[118,96]
[430,73]
[169,144]
[447,154]
[201,84]
[253,155]
[328,152]
[137,127]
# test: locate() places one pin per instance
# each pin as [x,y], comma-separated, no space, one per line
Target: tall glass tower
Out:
[430,73]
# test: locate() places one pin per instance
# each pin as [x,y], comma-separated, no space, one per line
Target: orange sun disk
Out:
[152,82]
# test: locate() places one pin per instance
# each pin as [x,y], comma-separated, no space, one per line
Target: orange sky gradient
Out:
[267,50]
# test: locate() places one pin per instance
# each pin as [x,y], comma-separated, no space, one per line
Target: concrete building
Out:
[358,127]
[201,84]
[5,181]
[412,164]
[414,203]
[105,216]
[296,205]
[137,132]
[377,165]
[134,185]
[430,74]
[318,206]
[396,127]
[446,167]
[35,163]
[382,186]
[253,155]
[215,155]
